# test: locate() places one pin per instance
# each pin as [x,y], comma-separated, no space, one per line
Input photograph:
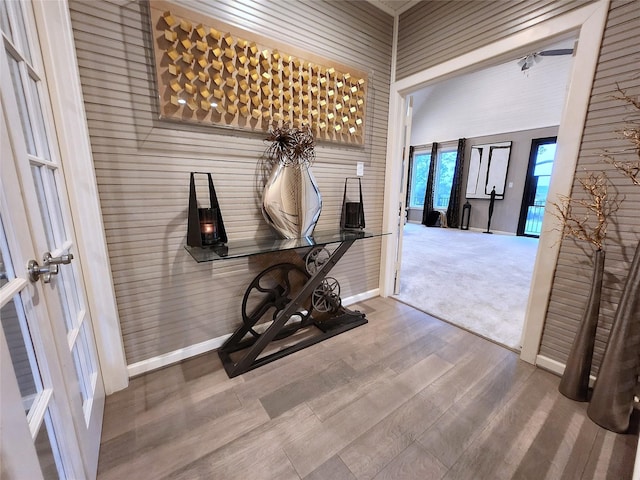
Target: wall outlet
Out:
[510,184]
[360,169]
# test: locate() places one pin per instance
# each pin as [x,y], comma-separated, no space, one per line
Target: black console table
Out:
[303,304]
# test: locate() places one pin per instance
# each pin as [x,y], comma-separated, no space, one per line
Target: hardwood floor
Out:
[404,397]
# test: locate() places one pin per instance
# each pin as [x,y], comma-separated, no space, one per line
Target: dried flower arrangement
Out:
[291,146]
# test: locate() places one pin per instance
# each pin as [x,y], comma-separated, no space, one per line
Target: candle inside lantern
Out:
[352,215]
[208,225]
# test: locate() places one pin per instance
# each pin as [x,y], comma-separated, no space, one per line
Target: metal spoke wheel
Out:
[326,296]
[269,293]
[315,259]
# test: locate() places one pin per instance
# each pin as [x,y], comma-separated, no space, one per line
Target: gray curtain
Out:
[428,195]
[453,210]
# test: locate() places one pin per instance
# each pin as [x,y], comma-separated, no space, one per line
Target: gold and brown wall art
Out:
[213,73]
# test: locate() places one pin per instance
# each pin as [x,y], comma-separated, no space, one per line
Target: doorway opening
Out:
[587,23]
[478,282]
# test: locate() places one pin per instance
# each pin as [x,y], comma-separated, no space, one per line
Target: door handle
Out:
[49,267]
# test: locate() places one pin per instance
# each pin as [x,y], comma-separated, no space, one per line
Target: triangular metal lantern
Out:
[352,217]
[205,226]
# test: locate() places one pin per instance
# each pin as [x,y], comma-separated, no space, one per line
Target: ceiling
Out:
[394,7]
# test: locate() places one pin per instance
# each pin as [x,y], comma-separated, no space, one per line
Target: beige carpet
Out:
[477,281]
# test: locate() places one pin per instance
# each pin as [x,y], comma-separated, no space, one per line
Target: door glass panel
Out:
[81,372]
[84,362]
[89,359]
[55,210]
[48,451]
[43,145]
[25,120]
[71,278]
[69,320]
[49,202]
[42,202]
[21,31]
[16,331]
[4,20]
[5,271]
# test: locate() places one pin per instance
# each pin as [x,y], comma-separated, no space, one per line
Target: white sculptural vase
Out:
[291,201]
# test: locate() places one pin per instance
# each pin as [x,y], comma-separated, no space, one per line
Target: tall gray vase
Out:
[575,379]
[612,401]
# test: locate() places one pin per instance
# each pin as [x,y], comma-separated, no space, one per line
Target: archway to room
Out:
[476,281]
[589,22]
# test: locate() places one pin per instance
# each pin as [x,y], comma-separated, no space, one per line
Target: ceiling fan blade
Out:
[559,51]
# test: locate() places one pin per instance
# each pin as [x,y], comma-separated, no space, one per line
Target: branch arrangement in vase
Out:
[613,396]
[629,168]
[598,206]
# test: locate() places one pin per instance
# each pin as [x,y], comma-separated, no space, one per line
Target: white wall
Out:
[495,100]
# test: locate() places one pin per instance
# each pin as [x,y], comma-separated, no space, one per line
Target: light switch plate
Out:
[360,169]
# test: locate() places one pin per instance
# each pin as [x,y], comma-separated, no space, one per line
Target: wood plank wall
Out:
[433,32]
[619,64]
[165,300]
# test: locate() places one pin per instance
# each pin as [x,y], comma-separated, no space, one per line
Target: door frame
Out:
[403,190]
[53,21]
[524,206]
[588,22]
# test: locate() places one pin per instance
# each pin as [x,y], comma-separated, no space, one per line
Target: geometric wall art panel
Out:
[213,73]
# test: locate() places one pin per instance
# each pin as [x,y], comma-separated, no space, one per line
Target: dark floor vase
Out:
[575,379]
[612,401]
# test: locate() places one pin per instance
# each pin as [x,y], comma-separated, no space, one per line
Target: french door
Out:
[52,381]
[534,199]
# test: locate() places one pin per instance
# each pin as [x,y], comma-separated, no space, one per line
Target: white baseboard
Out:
[550,365]
[160,361]
[176,356]
[360,297]
[556,367]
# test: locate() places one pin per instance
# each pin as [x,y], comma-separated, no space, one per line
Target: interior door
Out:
[534,198]
[37,431]
[29,149]
[402,207]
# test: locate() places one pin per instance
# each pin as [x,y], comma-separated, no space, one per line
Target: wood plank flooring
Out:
[404,397]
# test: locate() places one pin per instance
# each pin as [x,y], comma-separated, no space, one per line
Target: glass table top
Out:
[245,248]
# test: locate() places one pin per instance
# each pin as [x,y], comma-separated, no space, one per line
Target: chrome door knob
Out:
[49,267]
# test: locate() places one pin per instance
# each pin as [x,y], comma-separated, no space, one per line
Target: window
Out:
[419,175]
[445,167]
[444,177]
